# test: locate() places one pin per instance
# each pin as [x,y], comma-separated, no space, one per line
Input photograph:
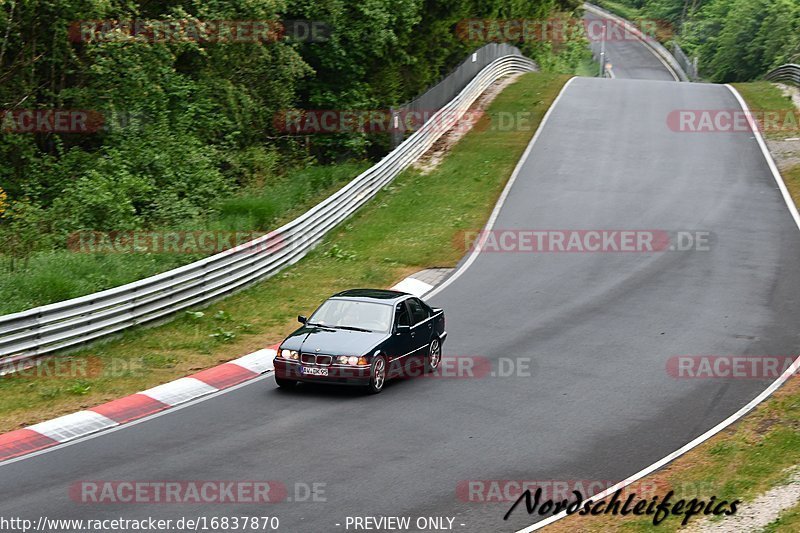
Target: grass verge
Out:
[788,521]
[623,10]
[588,68]
[791,176]
[56,275]
[763,96]
[422,215]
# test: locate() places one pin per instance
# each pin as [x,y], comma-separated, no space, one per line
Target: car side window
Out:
[418,311]
[402,315]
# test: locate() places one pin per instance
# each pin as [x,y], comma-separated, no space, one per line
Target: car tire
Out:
[285,383]
[434,358]
[377,375]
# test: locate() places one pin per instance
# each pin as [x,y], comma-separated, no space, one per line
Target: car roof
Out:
[384,295]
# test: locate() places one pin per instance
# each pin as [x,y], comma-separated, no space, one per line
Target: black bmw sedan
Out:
[363,337]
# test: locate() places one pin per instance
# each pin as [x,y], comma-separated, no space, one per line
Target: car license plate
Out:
[313,371]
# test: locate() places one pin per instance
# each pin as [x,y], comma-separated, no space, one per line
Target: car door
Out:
[401,344]
[421,331]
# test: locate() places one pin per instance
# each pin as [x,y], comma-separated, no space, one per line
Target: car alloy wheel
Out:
[378,375]
[434,355]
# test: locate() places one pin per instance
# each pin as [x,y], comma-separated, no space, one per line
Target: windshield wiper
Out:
[354,328]
[319,325]
[330,326]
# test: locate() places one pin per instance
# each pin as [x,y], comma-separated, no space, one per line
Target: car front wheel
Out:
[377,377]
[434,356]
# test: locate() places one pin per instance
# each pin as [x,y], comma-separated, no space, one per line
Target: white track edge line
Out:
[766,393]
[503,195]
[771,162]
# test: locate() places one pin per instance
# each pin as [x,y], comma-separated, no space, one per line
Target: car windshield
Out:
[353,314]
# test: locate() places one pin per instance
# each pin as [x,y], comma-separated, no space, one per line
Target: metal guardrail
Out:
[688,65]
[786,73]
[449,86]
[71,323]
[649,42]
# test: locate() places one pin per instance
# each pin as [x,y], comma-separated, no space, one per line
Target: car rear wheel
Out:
[377,375]
[285,383]
[434,356]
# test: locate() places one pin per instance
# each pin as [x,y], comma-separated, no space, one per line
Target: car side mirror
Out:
[401,328]
[302,319]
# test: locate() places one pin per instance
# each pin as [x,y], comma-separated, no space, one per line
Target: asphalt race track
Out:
[629,58]
[597,330]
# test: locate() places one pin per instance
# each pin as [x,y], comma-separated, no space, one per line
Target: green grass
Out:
[791,177]
[624,11]
[58,275]
[292,195]
[588,68]
[764,96]
[789,520]
[414,223]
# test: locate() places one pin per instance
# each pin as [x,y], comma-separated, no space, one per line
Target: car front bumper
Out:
[337,374]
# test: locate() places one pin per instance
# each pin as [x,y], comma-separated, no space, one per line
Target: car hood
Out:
[311,339]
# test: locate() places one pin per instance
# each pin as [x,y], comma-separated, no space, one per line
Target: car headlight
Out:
[290,354]
[351,360]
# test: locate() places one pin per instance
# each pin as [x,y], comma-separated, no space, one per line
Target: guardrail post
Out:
[396,134]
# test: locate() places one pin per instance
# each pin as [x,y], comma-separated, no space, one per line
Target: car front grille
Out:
[313,359]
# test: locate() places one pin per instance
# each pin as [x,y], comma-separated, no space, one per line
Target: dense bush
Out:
[735,40]
[188,123]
